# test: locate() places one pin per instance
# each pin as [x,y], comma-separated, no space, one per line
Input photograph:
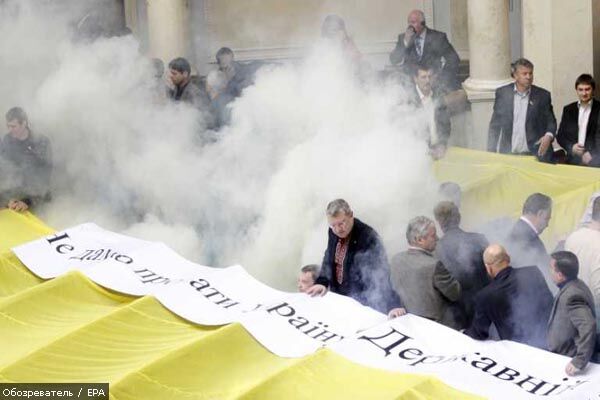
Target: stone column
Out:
[168,29]
[489,62]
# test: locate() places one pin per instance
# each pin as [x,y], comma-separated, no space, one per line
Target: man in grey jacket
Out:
[184,89]
[421,280]
[572,324]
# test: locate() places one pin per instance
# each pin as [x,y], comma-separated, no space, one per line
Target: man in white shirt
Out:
[436,120]
[585,244]
[578,131]
[523,121]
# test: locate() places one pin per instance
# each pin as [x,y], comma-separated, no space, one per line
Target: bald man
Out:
[420,45]
[517,301]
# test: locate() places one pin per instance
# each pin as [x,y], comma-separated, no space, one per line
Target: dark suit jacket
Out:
[540,119]
[518,303]
[572,324]
[435,48]
[425,285]
[441,115]
[526,248]
[462,254]
[568,132]
[366,269]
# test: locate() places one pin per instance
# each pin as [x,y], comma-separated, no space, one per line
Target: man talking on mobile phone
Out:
[422,45]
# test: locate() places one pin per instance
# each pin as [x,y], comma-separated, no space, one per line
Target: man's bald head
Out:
[495,259]
[416,19]
[418,14]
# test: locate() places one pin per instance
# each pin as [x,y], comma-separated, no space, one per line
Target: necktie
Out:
[418,47]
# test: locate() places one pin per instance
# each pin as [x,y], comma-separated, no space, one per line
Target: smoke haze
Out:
[302,135]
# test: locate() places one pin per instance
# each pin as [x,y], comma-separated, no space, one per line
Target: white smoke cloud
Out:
[303,135]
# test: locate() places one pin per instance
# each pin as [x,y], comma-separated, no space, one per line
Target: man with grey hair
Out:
[355,263]
[523,121]
[421,280]
[421,45]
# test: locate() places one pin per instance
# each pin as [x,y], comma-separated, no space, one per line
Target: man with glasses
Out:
[355,263]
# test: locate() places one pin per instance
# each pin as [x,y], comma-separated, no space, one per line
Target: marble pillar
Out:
[489,60]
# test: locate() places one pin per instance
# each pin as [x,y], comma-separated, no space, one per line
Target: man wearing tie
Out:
[523,121]
[428,47]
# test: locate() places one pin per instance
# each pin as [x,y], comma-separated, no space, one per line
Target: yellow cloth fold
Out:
[69,329]
[496,185]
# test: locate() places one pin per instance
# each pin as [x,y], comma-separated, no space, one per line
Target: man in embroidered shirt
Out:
[523,121]
[355,263]
[578,131]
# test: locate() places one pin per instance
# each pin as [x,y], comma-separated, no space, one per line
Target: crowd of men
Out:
[522,123]
[461,280]
[498,291]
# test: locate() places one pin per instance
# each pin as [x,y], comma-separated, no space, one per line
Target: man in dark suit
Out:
[355,263]
[462,254]
[517,301]
[578,131]
[421,280]
[523,121]
[523,241]
[435,113]
[425,46]
[572,323]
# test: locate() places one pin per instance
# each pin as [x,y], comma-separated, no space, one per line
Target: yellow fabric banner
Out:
[496,185]
[69,329]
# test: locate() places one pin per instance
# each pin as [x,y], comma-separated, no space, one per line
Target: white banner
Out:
[498,370]
[200,294]
[294,324]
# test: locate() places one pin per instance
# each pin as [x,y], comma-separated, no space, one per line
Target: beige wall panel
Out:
[537,39]
[130,7]
[596,37]
[276,25]
[168,25]
[557,38]
[460,29]
[573,49]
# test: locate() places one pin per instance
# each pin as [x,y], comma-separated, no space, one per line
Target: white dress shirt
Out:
[584,117]
[530,225]
[429,110]
[519,135]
